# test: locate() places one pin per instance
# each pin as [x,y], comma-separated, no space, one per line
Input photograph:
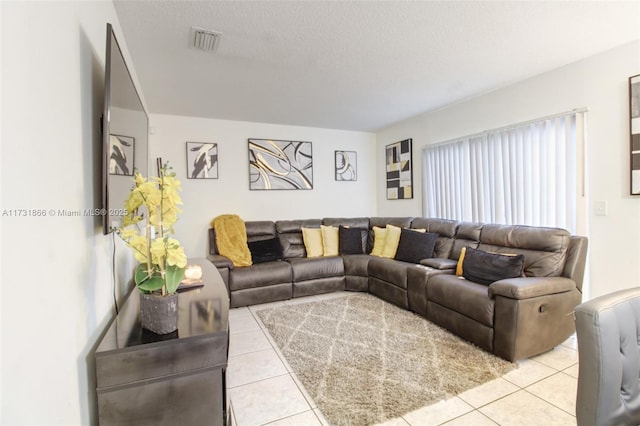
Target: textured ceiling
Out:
[359,65]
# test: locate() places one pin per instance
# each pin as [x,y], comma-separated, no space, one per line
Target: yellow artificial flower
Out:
[149,192]
[139,179]
[160,197]
[171,185]
[139,245]
[175,254]
[169,217]
[158,252]
[131,219]
[133,201]
[127,234]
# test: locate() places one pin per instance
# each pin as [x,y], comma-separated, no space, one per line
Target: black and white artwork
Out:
[346,165]
[399,170]
[279,164]
[634,106]
[202,160]
[121,150]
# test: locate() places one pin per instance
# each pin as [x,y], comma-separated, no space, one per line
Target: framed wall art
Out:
[280,164]
[202,160]
[121,149]
[634,113]
[346,165]
[399,170]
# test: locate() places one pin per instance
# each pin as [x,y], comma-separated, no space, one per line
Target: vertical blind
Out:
[523,174]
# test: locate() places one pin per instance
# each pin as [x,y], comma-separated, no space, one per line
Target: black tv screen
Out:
[124,134]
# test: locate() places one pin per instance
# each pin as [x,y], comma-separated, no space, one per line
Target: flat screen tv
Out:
[124,134]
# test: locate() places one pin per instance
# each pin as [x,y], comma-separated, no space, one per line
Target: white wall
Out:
[57,285]
[599,83]
[205,199]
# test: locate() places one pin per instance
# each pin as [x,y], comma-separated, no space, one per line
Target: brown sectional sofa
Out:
[513,318]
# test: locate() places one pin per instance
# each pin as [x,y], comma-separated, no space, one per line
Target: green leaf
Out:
[152,284]
[173,276]
[141,274]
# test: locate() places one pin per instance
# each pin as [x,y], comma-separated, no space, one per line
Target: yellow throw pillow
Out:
[330,240]
[391,241]
[378,240]
[463,251]
[312,238]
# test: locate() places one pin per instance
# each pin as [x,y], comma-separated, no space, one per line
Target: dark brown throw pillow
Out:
[350,240]
[484,268]
[415,246]
[265,250]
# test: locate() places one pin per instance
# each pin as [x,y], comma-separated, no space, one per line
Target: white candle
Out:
[193,272]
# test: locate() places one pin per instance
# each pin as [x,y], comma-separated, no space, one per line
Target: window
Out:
[526,174]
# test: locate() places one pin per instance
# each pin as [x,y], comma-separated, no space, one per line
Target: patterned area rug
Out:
[365,361]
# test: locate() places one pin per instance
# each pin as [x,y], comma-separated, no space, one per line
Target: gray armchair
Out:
[608,332]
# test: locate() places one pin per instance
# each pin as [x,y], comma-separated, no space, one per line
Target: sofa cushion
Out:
[382,222]
[347,222]
[260,275]
[317,267]
[312,238]
[463,296]
[467,235]
[361,223]
[379,236]
[356,264]
[544,249]
[485,268]
[330,240]
[415,246]
[268,250]
[386,241]
[350,240]
[446,230]
[260,229]
[290,235]
[389,270]
[391,241]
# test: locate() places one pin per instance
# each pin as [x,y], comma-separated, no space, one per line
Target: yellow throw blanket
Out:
[231,239]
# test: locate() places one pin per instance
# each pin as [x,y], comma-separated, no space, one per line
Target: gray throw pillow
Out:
[265,250]
[484,268]
[350,240]
[415,246]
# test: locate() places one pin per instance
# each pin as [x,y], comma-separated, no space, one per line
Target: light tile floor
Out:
[263,390]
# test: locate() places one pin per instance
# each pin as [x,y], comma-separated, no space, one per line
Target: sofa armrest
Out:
[439,263]
[529,287]
[220,261]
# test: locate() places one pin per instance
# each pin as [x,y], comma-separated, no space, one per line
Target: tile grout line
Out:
[550,402]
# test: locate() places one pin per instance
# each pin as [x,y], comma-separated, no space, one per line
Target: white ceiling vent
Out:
[205,39]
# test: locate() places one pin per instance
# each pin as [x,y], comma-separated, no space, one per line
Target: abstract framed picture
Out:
[202,160]
[634,114]
[399,170]
[346,165]
[121,149]
[280,164]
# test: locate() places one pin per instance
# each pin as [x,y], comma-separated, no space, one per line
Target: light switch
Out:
[600,208]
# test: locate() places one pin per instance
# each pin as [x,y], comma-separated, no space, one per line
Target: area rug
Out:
[365,361]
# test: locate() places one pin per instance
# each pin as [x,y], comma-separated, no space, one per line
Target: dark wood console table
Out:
[175,379]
